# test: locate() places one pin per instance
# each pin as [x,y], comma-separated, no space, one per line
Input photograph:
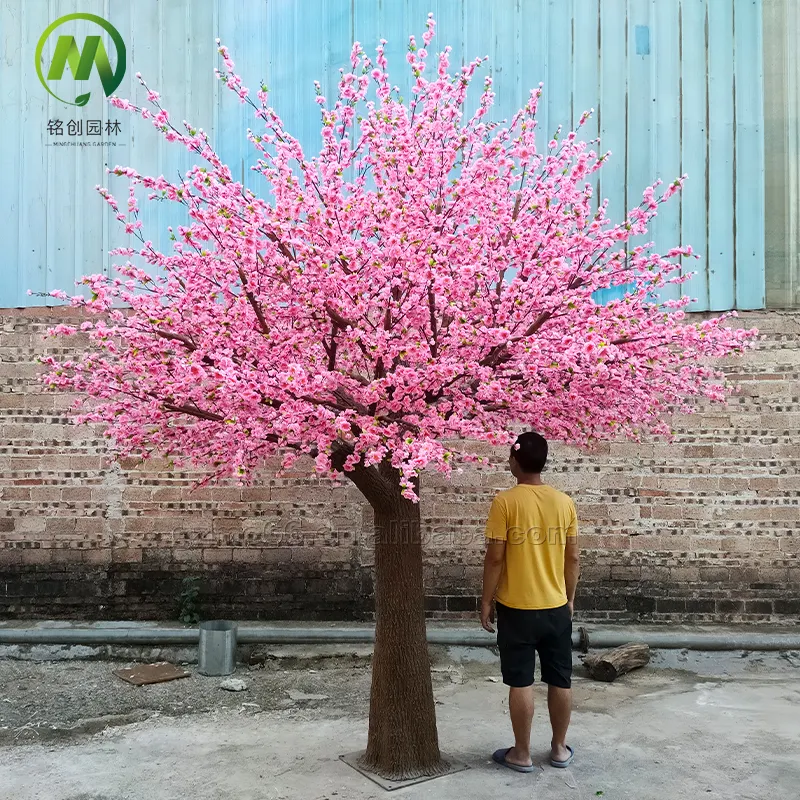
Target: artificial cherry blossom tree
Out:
[426,280]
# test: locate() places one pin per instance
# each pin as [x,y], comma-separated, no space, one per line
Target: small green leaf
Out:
[82,99]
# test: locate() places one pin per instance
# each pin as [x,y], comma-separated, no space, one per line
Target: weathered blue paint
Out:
[676,85]
[666,138]
[612,110]
[642,40]
[694,146]
[749,156]
[720,156]
[639,113]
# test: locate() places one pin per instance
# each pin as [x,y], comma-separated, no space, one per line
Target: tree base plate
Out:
[351,759]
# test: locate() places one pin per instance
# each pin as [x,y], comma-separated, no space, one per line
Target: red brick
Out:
[216,494]
[10,556]
[626,573]
[736,544]
[76,493]
[714,574]
[784,513]
[248,555]
[704,484]
[729,485]
[217,555]
[126,554]
[765,483]
[668,512]
[90,524]
[60,525]
[595,572]
[190,555]
[698,451]
[66,555]
[101,556]
[790,544]
[611,542]
[30,524]
[36,555]
[697,511]
[307,555]
[46,494]
[15,492]
[765,544]
[713,543]
[592,511]
[656,574]
[165,494]
[276,555]
[145,523]
[685,574]
[648,542]
[292,494]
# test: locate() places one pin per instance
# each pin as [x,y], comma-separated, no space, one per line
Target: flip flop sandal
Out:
[563,764]
[499,757]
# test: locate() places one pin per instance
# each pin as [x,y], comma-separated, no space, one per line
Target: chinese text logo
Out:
[80,63]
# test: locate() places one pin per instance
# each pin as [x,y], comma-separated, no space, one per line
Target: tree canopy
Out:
[426,279]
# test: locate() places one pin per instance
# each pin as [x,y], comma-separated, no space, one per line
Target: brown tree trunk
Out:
[402,741]
[610,664]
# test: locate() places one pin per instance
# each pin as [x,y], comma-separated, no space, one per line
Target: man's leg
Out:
[517,660]
[559,704]
[555,652]
[520,709]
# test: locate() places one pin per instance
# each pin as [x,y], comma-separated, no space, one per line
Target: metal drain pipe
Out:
[690,640]
[583,638]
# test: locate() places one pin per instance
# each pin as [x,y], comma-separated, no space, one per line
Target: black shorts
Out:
[521,632]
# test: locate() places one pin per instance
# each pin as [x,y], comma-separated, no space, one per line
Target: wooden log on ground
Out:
[610,664]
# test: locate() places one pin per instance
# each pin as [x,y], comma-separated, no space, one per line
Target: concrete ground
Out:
[689,726]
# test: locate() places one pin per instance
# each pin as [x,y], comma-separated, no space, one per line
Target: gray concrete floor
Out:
[691,726]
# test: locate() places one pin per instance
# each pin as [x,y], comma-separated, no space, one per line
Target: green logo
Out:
[80,63]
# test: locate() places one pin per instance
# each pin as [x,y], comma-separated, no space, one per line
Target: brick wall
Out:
[703,528]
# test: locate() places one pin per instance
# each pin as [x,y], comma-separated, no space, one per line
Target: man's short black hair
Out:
[531,454]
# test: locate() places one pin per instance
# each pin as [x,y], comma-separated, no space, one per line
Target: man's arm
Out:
[496,533]
[572,568]
[492,569]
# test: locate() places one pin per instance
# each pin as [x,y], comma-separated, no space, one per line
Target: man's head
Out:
[528,455]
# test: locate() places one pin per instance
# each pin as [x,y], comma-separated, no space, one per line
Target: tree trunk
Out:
[610,664]
[402,741]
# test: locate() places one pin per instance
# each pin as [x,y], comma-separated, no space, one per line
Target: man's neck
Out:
[530,480]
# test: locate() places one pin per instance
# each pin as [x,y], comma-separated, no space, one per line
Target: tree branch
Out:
[193,411]
[434,345]
[337,318]
[259,312]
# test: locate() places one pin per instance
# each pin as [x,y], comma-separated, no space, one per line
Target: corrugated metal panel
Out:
[749,157]
[676,84]
[782,158]
[694,142]
[665,43]
[721,137]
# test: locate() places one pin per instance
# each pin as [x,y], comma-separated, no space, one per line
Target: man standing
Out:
[531,569]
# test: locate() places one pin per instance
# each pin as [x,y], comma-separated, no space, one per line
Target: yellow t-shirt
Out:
[535,522]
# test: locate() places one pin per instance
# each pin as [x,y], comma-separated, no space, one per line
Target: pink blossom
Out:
[365,320]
